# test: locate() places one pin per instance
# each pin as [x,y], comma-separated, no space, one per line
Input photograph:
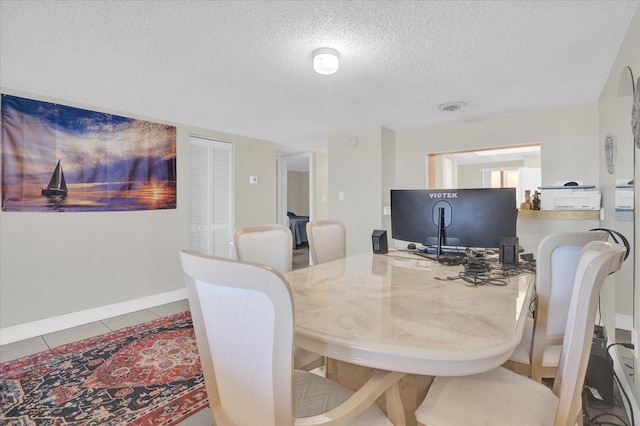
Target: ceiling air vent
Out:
[451,106]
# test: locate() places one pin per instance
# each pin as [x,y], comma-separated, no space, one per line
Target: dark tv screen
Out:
[475,218]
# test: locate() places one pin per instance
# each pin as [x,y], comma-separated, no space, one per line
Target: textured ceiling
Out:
[244,67]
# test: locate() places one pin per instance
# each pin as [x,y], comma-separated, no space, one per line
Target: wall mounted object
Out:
[609,143]
[61,158]
[635,115]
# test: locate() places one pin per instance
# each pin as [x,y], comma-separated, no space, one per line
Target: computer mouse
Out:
[411,246]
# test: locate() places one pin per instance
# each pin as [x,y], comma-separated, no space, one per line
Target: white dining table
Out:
[401,312]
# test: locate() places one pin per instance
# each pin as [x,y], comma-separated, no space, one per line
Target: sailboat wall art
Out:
[57,184]
[65,159]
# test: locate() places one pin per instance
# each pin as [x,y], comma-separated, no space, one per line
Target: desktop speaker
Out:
[379,240]
[509,251]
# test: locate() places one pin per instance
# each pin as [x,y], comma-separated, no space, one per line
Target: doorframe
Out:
[283,162]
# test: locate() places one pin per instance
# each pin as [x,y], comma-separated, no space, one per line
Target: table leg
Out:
[395,411]
[411,390]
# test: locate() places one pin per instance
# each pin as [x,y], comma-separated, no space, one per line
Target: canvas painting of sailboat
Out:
[110,162]
[57,184]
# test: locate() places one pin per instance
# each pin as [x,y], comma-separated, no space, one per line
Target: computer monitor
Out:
[475,218]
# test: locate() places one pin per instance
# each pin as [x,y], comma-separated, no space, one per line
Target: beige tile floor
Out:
[41,343]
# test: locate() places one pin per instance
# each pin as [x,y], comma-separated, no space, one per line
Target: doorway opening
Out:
[505,167]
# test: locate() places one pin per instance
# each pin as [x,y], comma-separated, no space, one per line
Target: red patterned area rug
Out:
[147,374]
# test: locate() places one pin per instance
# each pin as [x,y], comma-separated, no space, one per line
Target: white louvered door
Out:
[209,196]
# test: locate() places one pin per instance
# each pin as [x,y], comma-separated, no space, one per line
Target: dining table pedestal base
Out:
[413,387]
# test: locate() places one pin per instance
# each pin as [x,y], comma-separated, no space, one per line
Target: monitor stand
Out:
[440,240]
[440,249]
[440,233]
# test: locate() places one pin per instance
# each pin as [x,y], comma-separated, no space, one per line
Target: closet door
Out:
[209,196]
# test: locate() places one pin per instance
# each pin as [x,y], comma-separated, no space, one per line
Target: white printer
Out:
[569,195]
[624,194]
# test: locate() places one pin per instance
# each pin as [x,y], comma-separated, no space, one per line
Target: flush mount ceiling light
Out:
[451,106]
[325,61]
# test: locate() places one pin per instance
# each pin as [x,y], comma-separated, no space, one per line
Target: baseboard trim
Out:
[50,325]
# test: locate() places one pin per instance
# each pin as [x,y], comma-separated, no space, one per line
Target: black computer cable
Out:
[520,268]
[595,420]
[450,259]
[476,279]
[482,278]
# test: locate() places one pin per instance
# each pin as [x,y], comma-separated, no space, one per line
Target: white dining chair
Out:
[271,245]
[327,240]
[243,318]
[265,244]
[538,353]
[501,397]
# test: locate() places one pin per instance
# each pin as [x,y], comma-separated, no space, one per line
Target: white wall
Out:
[320,183]
[628,55]
[53,264]
[563,133]
[469,175]
[388,175]
[568,137]
[298,193]
[357,173]
[254,204]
